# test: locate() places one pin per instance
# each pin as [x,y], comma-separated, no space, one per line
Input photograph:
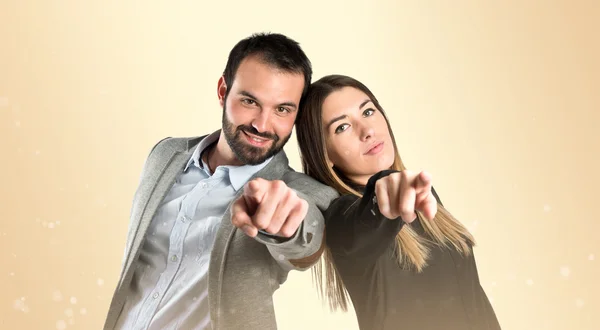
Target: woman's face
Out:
[357,138]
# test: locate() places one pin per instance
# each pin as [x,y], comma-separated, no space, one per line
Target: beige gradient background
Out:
[500,101]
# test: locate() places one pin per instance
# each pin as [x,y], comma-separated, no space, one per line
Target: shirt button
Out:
[174,258]
[204,185]
[155,295]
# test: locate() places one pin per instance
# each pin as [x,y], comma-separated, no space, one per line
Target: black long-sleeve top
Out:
[446,295]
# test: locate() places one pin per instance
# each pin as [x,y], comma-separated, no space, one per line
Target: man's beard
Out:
[244,152]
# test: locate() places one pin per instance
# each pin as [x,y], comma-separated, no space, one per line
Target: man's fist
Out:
[402,193]
[270,206]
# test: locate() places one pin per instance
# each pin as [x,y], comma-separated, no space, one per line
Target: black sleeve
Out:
[356,229]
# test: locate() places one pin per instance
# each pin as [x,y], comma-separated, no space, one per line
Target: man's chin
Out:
[254,157]
[250,154]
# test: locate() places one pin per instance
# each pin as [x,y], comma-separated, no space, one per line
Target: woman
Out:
[404,260]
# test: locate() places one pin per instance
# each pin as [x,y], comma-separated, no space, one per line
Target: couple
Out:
[218,221]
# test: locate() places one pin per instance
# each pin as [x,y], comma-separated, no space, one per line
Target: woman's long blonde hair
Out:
[412,248]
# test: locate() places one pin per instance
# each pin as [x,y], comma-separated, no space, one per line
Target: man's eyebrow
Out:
[248,94]
[287,104]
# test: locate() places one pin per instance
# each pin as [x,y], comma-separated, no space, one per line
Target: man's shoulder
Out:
[304,183]
[177,142]
[291,175]
[279,169]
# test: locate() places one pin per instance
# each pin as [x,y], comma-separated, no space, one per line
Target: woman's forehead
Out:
[344,100]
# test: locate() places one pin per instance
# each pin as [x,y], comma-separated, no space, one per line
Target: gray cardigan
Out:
[244,272]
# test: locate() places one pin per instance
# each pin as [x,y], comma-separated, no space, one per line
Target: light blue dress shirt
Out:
[169,289]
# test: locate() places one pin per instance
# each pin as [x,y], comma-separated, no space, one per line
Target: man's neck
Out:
[220,155]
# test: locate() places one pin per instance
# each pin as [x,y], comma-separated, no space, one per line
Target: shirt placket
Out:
[176,245]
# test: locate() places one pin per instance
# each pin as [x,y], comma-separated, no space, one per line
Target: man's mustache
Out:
[253,131]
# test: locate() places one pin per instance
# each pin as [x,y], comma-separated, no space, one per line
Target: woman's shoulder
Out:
[345,200]
[340,206]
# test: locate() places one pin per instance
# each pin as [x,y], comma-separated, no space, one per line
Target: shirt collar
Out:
[206,142]
[238,175]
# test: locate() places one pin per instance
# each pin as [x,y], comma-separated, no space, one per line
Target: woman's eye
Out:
[368,112]
[341,128]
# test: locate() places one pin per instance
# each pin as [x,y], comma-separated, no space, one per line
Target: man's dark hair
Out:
[273,49]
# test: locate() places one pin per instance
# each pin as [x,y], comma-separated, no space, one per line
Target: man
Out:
[218,221]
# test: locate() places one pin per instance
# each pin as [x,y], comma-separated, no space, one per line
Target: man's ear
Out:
[221,90]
